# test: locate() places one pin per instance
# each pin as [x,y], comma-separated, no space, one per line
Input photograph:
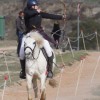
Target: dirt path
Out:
[77,83]
[7,48]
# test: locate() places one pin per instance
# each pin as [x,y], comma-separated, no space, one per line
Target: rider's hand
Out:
[38,9]
[64,17]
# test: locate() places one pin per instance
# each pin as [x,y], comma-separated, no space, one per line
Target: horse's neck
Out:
[36,51]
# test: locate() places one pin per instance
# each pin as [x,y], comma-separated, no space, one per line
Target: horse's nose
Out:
[29,53]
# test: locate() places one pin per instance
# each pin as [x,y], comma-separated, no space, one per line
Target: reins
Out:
[32,50]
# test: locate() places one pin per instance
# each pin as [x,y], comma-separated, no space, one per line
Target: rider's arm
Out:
[51,16]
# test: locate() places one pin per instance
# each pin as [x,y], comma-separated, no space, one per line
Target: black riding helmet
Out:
[31,3]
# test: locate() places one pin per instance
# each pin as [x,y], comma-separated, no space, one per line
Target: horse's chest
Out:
[35,68]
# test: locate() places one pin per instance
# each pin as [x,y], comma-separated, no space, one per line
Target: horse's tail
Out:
[53,83]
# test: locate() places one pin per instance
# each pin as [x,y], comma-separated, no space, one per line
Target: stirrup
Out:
[50,74]
[22,75]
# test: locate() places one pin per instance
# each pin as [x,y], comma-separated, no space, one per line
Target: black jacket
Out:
[20,25]
[34,19]
[56,31]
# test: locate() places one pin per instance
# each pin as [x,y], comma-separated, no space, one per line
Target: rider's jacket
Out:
[33,19]
[20,25]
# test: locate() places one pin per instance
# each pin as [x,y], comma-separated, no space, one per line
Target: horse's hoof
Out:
[43,96]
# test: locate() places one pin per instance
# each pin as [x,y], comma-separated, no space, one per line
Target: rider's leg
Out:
[50,58]
[20,36]
[18,48]
[22,73]
[22,61]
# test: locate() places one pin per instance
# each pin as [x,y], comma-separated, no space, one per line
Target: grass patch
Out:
[11,60]
[7,43]
[68,59]
[14,65]
[14,78]
[11,67]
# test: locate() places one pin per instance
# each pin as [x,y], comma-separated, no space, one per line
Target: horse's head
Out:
[32,44]
[29,47]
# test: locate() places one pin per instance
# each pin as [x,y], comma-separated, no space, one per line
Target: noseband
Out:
[32,50]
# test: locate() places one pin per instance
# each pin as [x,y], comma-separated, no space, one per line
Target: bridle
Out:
[32,50]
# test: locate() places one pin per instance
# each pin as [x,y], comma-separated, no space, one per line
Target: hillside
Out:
[10,10]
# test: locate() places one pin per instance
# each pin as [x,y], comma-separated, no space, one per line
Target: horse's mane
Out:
[37,37]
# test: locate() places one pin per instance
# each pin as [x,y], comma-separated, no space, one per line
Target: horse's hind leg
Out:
[29,86]
[35,87]
[43,81]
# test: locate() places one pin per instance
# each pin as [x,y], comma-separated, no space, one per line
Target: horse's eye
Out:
[34,43]
[24,44]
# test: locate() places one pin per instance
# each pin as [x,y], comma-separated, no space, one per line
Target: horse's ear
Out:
[38,38]
[34,43]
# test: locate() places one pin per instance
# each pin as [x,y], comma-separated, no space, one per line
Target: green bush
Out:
[89,26]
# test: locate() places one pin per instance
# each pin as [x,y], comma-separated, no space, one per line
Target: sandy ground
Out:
[7,48]
[81,81]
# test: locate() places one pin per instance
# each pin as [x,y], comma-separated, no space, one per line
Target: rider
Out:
[33,19]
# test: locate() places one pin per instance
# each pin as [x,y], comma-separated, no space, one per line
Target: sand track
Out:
[70,79]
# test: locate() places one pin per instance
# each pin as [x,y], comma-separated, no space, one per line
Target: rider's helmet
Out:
[31,3]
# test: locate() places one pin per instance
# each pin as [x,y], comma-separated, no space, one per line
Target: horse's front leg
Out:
[35,87]
[29,85]
[43,83]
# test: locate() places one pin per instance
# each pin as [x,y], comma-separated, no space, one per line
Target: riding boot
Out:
[22,73]
[18,48]
[50,65]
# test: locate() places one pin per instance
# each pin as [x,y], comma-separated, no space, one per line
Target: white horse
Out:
[36,64]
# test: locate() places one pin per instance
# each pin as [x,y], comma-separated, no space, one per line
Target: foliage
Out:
[68,58]
[89,26]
